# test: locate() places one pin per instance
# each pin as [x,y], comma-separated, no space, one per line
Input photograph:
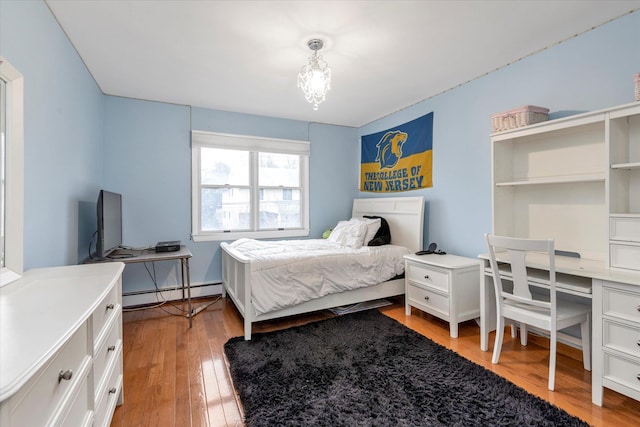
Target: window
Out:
[11,173]
[248,187]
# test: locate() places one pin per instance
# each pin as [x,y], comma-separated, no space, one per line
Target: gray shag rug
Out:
[366,369]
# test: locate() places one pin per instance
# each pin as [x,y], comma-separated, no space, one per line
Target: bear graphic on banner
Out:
[390,149]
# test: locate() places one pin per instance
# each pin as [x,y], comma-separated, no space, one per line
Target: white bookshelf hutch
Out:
[577,180]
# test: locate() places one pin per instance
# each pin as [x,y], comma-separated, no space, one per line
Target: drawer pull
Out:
[112,390]
[426,298]
[110,306]
[65,375]
[113,347]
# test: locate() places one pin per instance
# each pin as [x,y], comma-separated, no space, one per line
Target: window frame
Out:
[253,145]
[14,174]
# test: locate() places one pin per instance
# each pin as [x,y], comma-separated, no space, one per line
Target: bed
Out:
[240,280]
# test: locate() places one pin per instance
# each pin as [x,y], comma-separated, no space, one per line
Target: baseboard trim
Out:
[153,296]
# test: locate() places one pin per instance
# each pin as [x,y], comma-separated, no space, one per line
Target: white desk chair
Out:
[518,305]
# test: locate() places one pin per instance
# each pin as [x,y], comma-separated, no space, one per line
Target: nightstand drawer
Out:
[428,300]
[428,276]
[621,304]
[621,337]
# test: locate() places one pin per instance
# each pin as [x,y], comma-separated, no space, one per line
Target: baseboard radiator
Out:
[173,293]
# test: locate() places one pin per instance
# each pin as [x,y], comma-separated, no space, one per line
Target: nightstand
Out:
[446,286]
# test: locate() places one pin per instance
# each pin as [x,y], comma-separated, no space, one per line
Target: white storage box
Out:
[518,117]
[636,85]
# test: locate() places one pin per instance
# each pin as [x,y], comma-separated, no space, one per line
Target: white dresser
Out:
[446,286]
[61,346]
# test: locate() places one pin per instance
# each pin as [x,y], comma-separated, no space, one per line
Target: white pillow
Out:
[373,225]
[349,233]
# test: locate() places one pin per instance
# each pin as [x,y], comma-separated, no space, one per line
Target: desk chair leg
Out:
[585,337]
[497,345]
[553,344]
[524,334]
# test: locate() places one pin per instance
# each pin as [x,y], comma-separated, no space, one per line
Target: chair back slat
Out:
[519,272]
[516,250]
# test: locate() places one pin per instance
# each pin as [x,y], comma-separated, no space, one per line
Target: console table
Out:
[133,256]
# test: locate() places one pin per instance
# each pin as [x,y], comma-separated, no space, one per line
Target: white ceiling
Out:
[244,56]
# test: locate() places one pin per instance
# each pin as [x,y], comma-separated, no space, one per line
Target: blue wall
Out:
[148,160]
[589,72]
[79,140]
[63,113]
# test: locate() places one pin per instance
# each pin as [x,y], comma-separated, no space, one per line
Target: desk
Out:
[615,296]
[573,276]
[132,256]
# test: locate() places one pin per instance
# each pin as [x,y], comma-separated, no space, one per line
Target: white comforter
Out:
[286,273]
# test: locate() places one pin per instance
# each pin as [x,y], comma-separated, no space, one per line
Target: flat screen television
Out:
[109,223]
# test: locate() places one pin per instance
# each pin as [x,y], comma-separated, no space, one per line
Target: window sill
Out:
[272,234]
[7,277]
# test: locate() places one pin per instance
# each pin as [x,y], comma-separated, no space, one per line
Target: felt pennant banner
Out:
[398,159]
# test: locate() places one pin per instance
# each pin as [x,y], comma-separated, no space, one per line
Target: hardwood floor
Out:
[176,376]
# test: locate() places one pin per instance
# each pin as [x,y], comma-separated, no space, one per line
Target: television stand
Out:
[133,256]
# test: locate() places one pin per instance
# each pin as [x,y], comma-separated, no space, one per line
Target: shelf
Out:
[629,166]
[624,215]
[595,177]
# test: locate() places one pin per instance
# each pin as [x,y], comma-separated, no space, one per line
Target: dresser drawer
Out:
[621,337]
[429,301]
[625,256]
[621,304]
[80,414]
[624,228]
[107,352]
[107,400]
[44,393]
[428,276]
[622,371]
[106,308]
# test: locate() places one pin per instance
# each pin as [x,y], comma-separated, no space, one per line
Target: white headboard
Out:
[405,216]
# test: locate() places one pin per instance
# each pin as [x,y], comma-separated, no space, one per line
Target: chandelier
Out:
[315,77]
